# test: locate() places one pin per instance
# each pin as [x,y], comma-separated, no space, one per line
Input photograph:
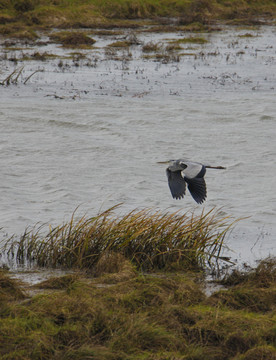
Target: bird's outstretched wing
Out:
[197,188]
[177,184]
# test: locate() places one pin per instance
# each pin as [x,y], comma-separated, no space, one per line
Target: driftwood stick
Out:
[28,78]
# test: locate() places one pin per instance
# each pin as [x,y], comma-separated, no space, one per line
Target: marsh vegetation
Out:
[136,287]
[121,313]
[25,17]
[136,290]
[150,240]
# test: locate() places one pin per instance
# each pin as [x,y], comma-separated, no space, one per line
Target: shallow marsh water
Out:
[88,132]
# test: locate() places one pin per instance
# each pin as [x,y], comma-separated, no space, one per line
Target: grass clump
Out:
[251,289]
[150,240]
[264,275]
[190,40]
[19,32]
[247,35]
[59,282]
[228,334]
[10,289]
[259,352]
[173,47]
[120,44]
[106,32]
[73,39]
[151,47]
[38,56]
[163,57]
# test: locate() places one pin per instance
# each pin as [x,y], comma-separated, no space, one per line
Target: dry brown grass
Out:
[150,240]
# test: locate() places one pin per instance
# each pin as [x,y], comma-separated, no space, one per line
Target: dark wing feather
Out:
[197,188]
[177,184]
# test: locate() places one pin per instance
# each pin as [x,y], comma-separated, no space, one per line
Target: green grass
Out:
[136,316]
[190,40]
[150,240]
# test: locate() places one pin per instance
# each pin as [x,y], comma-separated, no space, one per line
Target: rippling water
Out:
[90,136]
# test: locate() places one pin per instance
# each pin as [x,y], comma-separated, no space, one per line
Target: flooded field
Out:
[85,128]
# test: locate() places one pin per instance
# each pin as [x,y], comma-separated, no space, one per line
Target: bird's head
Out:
[167,162]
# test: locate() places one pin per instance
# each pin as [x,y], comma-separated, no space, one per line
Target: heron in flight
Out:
[180,172]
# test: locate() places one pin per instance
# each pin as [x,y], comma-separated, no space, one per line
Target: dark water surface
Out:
[88,132]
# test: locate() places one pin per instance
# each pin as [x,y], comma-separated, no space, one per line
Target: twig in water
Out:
[13,77]
[7,81]
[28,78]
[19,73]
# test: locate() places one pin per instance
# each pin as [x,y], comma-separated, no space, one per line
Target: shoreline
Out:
[24,19]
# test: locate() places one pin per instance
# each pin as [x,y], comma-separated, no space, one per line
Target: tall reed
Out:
[149,239]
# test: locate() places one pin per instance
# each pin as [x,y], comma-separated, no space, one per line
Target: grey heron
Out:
[181,171]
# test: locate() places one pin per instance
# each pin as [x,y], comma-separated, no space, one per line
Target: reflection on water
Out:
[90,136]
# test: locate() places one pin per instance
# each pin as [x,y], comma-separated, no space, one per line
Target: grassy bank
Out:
[24,17]
[124,314]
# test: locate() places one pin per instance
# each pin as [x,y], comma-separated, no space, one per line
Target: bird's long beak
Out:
[163,162]
[215,167]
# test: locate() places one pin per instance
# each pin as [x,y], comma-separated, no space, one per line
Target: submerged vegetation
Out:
[21,18]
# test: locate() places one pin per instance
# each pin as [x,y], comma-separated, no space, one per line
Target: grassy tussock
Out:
[158,316]
[150,240]
[263,276]
[151,47]
[120,44]
[190,40]
[113,268]
[9,288]
[253,289]
[75,39]
[59,282]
